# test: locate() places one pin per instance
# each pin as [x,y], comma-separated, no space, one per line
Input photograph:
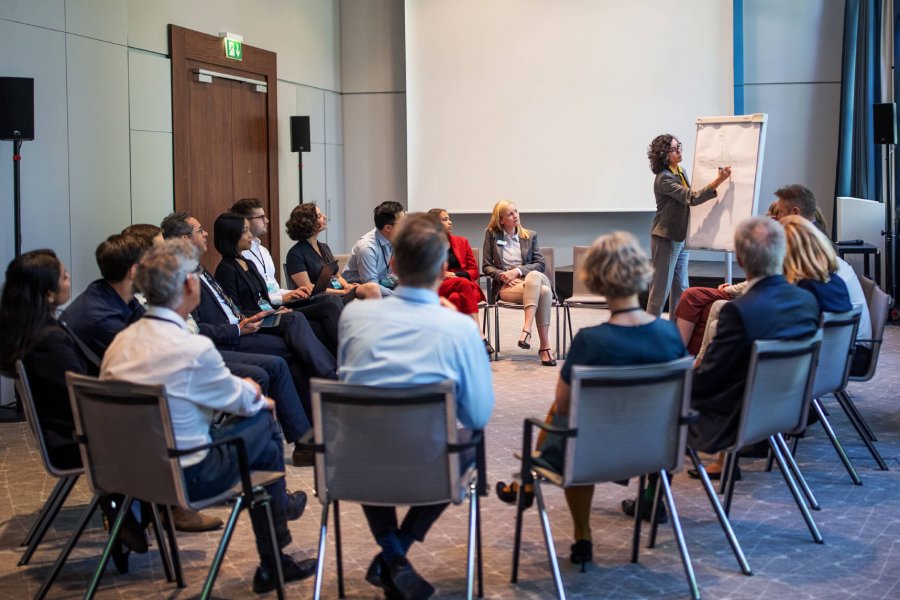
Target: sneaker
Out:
[295,505]
[265,579]
[193,520]
[646,510]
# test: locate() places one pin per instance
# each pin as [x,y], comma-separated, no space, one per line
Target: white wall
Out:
[792,71]
[102,154]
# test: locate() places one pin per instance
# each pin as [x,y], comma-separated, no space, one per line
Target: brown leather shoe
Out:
[193,521]
[303,457]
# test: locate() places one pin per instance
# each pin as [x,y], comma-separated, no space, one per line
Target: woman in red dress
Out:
[460,285]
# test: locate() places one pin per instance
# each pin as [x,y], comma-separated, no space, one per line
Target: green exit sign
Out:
[233,49]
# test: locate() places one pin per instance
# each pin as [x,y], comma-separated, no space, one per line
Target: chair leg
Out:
[654,517]
[795,491]
[723,476]
[223,545]
[548,540]
[638,509]
[848,404]
[470,554]
[107,550]
[320,560]
[164,556]
[720,513]
[834,442]
[679,533]
[64,554]
[48,512]
[729,478]
[478,550]
[496,333]
[45,518]
[557,330]
[173,548]
[517,538]
[263,497]
[862,429]
[338,549]
[795,470]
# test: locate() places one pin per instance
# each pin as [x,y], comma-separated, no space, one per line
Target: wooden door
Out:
[224,131]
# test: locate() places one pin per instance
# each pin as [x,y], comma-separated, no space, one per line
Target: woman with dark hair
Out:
[615,267]
[674,200]
[37,284]
[243,282]
[460,284]
[306,258]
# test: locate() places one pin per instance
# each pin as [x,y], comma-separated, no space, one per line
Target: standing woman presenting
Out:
[673,201]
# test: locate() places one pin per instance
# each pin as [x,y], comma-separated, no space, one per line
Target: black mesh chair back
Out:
[838,338]
[879,305]
[125,434]
[629,421]
[385,446]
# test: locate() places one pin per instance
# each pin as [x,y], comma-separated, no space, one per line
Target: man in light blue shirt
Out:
[370,257]
[406,340]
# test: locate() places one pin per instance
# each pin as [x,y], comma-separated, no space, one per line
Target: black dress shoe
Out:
[119,555]
[582,552]
[510,493]
[377,574]
[646,511]
[550,362]
[408,583]
[295,505]
[265,579]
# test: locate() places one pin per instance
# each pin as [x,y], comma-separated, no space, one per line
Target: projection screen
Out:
[552,103]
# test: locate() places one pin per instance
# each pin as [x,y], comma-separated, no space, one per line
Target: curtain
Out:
[859,159]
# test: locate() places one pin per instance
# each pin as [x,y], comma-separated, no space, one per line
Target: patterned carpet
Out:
[860,524]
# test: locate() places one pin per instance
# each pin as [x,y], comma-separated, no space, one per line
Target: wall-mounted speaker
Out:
[16,108]
[300,134]
[884,123]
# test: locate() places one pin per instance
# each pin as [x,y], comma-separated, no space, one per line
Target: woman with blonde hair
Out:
[512,259]
[811,263]
[617,268]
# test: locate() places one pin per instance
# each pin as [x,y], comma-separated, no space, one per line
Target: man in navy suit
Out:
[770,309]
[219,319]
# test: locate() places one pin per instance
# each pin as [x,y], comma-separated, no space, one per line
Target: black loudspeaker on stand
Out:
[16,125]
[884,126]
[300,144]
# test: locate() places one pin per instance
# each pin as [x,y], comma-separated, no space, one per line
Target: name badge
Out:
[501,242]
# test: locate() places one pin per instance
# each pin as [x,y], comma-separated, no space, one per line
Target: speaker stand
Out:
[300,173]
[889,227]
[17,194]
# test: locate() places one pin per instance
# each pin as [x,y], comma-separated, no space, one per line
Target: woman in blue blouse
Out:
[617,268]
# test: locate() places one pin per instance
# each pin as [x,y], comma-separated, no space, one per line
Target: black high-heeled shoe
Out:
[525,344]
[550,362]
[487,347]
[582,553]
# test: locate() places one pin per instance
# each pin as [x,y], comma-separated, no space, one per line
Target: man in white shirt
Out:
[159,349]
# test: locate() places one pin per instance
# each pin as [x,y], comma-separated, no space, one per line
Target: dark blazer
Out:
[213,322]
[462,250]
[673,202]
[492,266]
[244,287]
[772,309]
[54,352]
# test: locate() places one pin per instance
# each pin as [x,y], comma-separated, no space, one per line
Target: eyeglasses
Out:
[256,217]
[677,148]
[198,230]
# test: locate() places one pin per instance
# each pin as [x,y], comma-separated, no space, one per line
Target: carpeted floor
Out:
[860,524]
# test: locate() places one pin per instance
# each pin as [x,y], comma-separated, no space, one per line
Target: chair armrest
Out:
[692,416]
[305,443]
[563,431]
[477,439]
[868,341]
[243,462]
